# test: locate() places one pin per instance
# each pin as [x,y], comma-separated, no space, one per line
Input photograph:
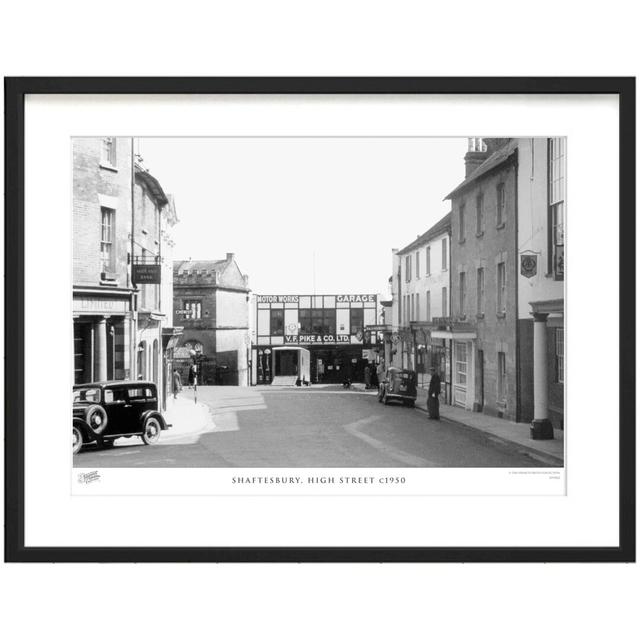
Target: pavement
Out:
[513,432]
[188,417]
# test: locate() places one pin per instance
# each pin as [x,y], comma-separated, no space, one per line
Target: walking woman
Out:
[433,401]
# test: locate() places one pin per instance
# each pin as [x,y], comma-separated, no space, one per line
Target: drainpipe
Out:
[134,295]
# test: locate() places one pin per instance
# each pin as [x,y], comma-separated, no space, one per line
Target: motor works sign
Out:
[317,339]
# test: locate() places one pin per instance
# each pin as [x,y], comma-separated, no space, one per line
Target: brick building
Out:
[507,281]
[483,323]
[420,288]
[103,295]
[211,303]
[121,218]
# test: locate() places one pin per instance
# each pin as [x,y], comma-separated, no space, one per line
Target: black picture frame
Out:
[15,91]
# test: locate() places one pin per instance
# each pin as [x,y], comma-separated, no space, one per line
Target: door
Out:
[286,363]
[118,408]
[460,374]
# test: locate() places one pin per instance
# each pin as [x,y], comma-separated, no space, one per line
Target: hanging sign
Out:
[528,265]
[146,273]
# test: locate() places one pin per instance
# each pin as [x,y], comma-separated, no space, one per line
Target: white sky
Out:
[275,202]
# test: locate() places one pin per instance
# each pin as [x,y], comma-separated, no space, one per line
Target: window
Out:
[323,321]
[417,264]
[412,307]
[500,205]
[461,363]
[445,306]
[444,254]
[560,355]
[428,306]
[461,223]
[428,260]
[407,268]
[106,240]
[502,288]
[502,377]
[304,318]
[108,152]
[194,307]
[556,207]
[480,214]
[480,292]
[463,292]
[356,320]
[276,320]
[417,306]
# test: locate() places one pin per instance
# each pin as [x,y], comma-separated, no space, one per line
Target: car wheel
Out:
[152,429]
[76,439]
[97,419]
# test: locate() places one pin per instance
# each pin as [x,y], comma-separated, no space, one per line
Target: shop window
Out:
[108,152]
[106,240]
[356,320]
[560,355]
[556,172]
[304,318]
[276,321]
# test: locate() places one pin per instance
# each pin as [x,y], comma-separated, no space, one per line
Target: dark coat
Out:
[434,385]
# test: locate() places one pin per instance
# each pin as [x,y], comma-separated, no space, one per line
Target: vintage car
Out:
[105,411]
[399,385]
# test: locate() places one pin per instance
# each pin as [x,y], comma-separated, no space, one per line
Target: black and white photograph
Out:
[318,303]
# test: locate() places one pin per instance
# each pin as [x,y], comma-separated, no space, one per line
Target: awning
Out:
[454,335]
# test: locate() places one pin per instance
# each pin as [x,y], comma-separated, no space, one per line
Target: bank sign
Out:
[317,339]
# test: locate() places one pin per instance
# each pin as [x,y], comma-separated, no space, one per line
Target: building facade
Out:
[211,303]
[118,314]
[541,221]
[313,338]
[484,264]
[420,288]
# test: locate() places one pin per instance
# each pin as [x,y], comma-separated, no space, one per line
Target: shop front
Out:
[102,328]
[329,328]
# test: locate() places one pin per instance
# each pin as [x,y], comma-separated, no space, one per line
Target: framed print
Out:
[320,319]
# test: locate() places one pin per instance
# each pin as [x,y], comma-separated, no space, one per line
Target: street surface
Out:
[310,427]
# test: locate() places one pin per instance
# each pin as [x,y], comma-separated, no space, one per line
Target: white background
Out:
[332,39]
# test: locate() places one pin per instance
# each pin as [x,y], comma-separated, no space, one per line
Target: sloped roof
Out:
[442,226]
[152,184]
[198,265]
[494,160]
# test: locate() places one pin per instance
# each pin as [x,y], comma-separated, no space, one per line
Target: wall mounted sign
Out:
[317,339]
[146,273]
[528,265]
[278,298]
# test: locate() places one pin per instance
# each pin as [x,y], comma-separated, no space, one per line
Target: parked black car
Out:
[105,411]
[399,385]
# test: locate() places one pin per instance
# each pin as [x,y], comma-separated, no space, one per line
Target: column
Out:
[541,428]
[101,349]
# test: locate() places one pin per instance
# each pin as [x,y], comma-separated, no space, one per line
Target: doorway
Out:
[286,363]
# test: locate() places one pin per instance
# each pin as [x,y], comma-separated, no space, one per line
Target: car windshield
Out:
[90,394]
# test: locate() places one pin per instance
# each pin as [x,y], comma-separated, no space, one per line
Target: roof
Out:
[494,160]
[198,265]
[107,384]
[152,184]
[442,226]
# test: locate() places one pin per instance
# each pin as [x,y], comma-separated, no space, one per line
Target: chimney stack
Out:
[230,256]
[475,156]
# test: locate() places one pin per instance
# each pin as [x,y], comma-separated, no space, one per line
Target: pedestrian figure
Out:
[433,401]
[192,375]
[177,383]
[374,376]
[367,377]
